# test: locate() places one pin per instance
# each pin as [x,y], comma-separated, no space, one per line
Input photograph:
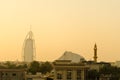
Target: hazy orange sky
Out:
[59,26]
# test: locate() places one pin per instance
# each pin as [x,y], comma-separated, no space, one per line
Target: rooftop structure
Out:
[72,56]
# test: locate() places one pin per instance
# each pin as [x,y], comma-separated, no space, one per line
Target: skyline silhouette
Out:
[60,26]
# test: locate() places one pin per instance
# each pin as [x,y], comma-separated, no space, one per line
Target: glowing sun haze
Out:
[59,26]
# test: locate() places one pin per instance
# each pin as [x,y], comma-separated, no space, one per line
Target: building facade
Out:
[37,76]
[12,74]
[65,70]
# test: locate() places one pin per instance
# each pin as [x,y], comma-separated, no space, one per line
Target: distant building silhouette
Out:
[29,48]
[95,53]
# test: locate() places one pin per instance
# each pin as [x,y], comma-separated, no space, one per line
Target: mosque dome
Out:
[72,56]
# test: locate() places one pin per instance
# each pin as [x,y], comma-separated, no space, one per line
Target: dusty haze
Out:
[61,25]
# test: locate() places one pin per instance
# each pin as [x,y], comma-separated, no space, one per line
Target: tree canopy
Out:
[106,70]
[11,65]
[34,67]
[43,67]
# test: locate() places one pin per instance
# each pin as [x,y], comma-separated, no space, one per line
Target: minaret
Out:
[95,53]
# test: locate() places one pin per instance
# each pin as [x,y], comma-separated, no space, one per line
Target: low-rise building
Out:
[96,66]
[34,77]
[12,74]
[66,70]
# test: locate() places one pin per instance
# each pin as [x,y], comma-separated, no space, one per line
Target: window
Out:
[13,74]
[6,74]
[59,76]
[29,78]
[69,75]
[78,74]
[2,74]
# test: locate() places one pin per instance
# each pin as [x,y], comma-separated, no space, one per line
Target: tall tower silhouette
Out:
[29,48]
[95,53]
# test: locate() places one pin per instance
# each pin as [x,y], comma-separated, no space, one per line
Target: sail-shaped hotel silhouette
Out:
[29,48]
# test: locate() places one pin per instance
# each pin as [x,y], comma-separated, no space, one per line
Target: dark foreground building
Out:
[12,74]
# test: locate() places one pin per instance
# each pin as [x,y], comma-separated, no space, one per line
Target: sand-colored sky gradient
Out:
[61,25]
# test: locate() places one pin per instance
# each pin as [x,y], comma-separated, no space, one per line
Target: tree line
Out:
[33,67]
[111,71]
